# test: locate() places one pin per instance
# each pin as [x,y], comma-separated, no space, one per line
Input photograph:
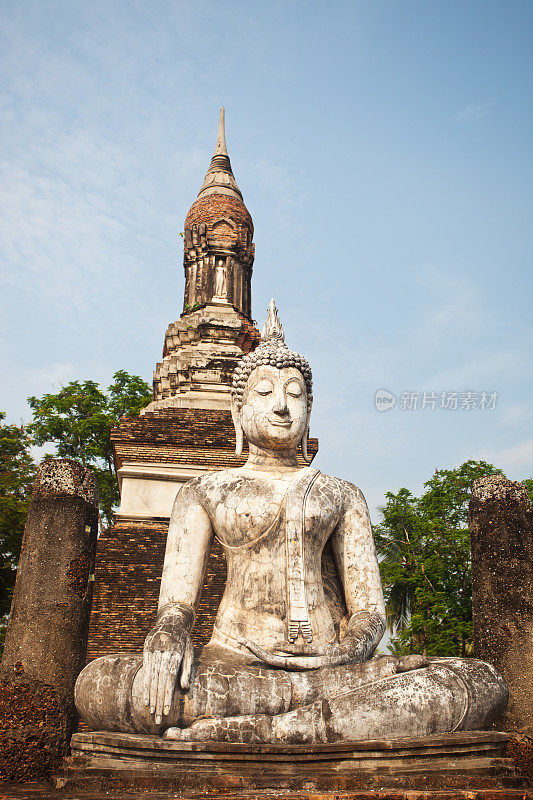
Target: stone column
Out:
[192,284]
[46,638]
[501,532]
[199,280]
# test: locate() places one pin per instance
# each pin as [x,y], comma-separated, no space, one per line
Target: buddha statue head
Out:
[272,394]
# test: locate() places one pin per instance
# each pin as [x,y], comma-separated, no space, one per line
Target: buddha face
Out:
[273,414]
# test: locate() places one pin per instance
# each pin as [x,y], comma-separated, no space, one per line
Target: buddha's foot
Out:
[247,729]
[407,663]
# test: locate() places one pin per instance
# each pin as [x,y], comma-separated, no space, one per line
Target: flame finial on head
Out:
[274,352]
[272,329]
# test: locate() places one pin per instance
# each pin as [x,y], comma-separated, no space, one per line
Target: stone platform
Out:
[115,761]
[43,791]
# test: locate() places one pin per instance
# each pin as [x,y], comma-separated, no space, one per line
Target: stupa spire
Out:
[204,345]
[219,178]
[220,149]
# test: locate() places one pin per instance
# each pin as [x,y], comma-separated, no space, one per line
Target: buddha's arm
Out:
[355,555]
[168,647]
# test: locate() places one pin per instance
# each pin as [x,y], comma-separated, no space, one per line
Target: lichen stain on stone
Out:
[78,574]
[498,487]
[63,476]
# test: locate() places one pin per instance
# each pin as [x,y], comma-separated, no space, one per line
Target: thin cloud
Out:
[516,415]
[518,457]
[453,308]
[474,111]
[50,377]
[481,371]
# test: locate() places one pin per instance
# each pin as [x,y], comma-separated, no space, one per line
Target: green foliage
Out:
[78,421]
[17,472]
[424,549]
[528,483]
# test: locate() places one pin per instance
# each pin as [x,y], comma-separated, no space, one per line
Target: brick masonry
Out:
[214,207]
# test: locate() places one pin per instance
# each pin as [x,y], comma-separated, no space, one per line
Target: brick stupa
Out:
[187,429]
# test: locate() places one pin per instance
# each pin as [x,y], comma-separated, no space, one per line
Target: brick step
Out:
[43,791]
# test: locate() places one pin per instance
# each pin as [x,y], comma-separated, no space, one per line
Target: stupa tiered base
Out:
[102,760]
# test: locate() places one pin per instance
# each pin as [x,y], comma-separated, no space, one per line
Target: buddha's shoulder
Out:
[349,492]
[216,479]
[216,484]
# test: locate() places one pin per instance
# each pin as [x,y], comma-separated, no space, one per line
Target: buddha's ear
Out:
[304,446]
[239,434]
[304,441]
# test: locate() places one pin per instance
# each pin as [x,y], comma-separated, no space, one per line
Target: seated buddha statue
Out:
[287,662]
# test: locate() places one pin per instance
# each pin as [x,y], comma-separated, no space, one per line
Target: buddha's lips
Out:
[280,424]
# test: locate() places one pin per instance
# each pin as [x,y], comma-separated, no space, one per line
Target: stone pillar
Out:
[501,532]
[46,638]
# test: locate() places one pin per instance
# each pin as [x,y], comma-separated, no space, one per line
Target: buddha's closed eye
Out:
[294,389]
[263,387]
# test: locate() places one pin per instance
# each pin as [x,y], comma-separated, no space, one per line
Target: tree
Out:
[17,472]
[78,421]
[424,549]
[396,538]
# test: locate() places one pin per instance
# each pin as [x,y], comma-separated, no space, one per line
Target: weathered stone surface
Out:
[77,789]
[62,477]
[47,633]
[501,532]
[520,749]
[460,760]
[35,726]
[201,351]
[285,663]
[218,227]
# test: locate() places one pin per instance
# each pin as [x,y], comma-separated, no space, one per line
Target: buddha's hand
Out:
[362,636]
[363,633]
[168,652]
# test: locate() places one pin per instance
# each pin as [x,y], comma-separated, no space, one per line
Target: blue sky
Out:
[384,152]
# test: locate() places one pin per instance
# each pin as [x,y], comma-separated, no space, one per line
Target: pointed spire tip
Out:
[272,329]
[219,178]
[220,149]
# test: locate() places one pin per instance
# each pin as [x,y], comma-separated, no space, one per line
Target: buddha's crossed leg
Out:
[241,702]
[447,695]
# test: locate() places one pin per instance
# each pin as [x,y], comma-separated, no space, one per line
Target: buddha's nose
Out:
[280,403]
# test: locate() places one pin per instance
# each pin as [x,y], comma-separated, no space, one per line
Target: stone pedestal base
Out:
[110,761]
